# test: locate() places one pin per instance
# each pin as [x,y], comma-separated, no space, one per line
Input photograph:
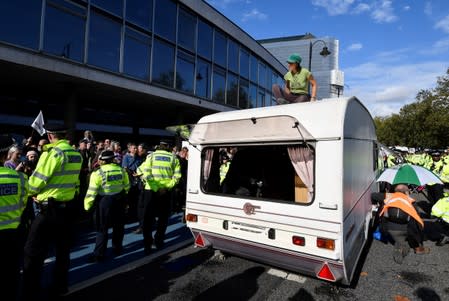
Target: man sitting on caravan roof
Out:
[297,81]
[401,221]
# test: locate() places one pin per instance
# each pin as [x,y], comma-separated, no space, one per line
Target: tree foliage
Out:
[423,123]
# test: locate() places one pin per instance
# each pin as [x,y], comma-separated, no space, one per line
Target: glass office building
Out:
[127,65]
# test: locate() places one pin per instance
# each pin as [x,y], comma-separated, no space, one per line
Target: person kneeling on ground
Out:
[441,211]
[400,220]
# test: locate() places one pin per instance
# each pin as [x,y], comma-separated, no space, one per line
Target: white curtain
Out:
[209,154]
[302,159]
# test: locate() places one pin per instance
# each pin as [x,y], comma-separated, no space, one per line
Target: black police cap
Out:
[5,143]
[107,155]
[55,128]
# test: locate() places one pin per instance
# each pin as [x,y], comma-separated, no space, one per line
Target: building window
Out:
[219,85]
[203,79]
[186,30]
[204,40]
[104,42]
[165,19]
[140,12]
[243,94]
[262,75]
[163,63]
[112,6]
[253,69]
[261,98]
[220,46]
[136,58]
[232,90]
[185,71]
[252,101]
[64,31]
[21,21]
[233,56]
[244,63]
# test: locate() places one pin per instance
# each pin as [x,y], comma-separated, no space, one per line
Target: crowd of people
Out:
[46,187]
[406,222]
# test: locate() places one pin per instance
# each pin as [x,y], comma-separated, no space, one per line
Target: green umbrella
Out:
[409,174]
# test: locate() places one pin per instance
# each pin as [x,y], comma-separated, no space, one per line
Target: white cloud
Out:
[440,46]
[385,88]
[361,8]
[383,12]
[254,14]
[428,8]
[406,8]
[334,7]
[355,47]
[443,24]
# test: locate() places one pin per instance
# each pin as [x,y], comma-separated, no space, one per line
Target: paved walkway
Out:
[83,274]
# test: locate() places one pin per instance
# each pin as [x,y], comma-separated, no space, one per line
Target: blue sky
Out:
[389,50]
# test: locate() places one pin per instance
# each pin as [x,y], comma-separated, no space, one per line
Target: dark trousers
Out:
[132,202]
[10,241]
[52,226]
[141,206]
[411,232]
[156,204]
[435,230]
[109,212]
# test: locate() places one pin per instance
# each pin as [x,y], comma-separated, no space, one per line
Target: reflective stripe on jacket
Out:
[161,170]
[13,197]
[57,173]
[109,179]
[403,202]
[441,209]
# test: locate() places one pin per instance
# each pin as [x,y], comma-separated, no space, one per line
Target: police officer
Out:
[53,185]
[441,226]
[13,196]
[224,168]
[106,193]
[161,172]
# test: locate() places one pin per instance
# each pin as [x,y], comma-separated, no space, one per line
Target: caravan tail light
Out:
[299,240]
[325,273]
[325,243]
[193,218]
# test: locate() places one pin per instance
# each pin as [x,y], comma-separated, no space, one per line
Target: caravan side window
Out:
[269,172]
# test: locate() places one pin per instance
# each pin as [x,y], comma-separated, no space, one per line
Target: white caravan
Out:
[297,193]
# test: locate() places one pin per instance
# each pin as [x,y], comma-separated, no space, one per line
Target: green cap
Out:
[294,58]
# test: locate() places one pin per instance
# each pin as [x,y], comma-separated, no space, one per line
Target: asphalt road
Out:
[197,274]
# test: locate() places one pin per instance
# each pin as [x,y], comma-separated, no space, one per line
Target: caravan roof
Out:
[327,119]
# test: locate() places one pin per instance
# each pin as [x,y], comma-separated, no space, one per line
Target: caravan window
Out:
[269,172]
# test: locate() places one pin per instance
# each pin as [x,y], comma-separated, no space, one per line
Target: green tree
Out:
[423,123]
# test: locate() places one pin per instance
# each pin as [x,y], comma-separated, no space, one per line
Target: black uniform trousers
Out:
[109,212]
[51,226]
[10,253]
[156,204]
[412,232]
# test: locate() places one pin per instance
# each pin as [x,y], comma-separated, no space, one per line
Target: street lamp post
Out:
[324,52]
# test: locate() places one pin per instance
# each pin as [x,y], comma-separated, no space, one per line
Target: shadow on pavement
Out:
[239,287]
[144,283]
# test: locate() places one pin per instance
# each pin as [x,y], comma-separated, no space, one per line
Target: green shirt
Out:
[298,82]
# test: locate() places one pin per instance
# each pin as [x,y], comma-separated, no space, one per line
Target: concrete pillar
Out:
[70,116]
